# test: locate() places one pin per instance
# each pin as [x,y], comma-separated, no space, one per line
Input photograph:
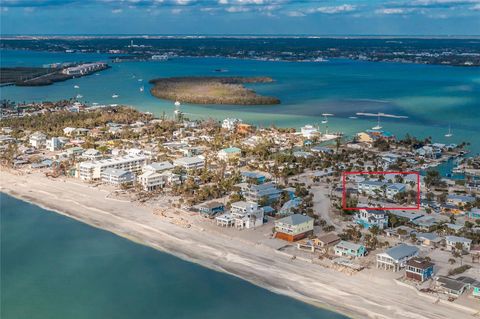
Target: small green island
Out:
[211,90]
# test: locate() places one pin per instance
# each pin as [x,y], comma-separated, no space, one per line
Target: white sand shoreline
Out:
[357,296]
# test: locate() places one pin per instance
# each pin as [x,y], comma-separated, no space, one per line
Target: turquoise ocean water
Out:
[433,97]
[55,267]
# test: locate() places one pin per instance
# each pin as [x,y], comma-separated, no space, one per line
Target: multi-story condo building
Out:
[189,162]
[93,170]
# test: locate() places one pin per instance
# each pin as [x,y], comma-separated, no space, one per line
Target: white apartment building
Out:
[189,162]
[93,170]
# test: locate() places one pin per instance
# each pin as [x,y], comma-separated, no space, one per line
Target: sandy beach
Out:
[360,296]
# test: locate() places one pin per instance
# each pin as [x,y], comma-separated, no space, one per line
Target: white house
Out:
[242,215]
[38,139]
[396,257]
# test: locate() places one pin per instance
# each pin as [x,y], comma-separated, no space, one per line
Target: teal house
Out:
[345,248]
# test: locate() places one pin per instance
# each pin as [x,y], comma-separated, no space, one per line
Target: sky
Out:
[234,17]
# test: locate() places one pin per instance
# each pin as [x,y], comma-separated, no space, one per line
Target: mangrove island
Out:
[211,90]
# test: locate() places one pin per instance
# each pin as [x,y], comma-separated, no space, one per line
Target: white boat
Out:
[76,87]
[449,134]
[140,80]
[142,89]
[79,96]
[353,117]
[325,118]
[114,96]
[378,126]
[177,103]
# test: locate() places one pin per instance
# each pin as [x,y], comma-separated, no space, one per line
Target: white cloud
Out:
[236,9]
[117,11]
[392,11]
[295,14]
[334,9]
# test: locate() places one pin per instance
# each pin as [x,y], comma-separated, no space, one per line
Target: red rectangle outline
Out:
[344,190]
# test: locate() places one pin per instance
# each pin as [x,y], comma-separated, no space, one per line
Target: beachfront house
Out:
[368,218]
[396,257]
[152,180]
[327,240]
[472,283]
[294,227]
[419,269]
[450,286]
[212,208]
[117,177]
[345,248]
[242,215]
[452,242]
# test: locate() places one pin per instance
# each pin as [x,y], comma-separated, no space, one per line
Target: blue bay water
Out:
[433,97]
[55,267]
